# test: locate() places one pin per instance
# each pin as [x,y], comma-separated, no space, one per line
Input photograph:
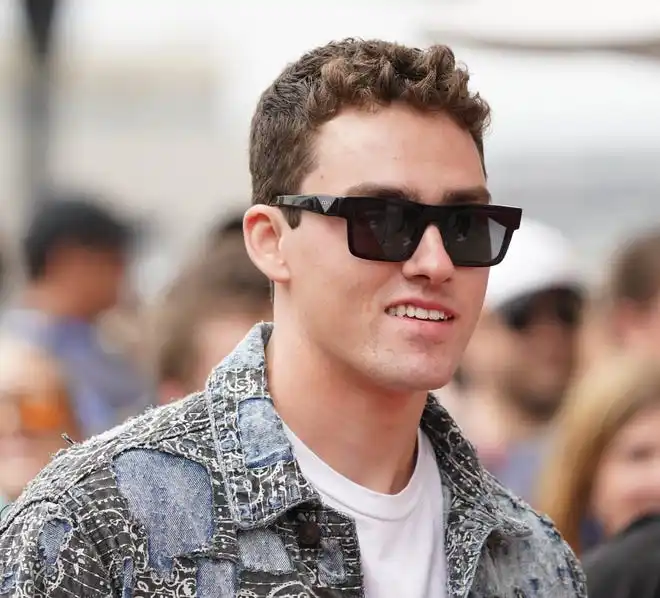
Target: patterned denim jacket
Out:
[203,498]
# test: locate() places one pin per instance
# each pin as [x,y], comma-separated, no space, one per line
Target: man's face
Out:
[528,350]
[98,275]
[341,301]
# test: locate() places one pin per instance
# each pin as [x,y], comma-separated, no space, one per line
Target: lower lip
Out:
[434,330]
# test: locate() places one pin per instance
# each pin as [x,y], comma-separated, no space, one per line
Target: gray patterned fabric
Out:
[203,498]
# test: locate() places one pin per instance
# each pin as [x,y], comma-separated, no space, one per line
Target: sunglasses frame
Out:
[343,207]
[567,308]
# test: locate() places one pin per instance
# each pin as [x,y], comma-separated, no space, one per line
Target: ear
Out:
[263,228]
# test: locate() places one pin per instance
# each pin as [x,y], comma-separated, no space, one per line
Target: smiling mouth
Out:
[418,313]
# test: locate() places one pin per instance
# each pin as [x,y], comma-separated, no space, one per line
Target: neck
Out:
[53,300]
[364,433]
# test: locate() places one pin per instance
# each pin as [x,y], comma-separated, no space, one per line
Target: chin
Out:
[418,379]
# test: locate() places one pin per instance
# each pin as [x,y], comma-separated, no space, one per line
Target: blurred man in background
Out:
[75,254]
[520,360]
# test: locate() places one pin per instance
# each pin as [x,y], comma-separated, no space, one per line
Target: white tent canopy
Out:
[558,24]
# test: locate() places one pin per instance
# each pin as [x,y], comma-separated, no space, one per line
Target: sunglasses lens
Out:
[569,311]
[382,230]
[472,237]
[385,230]
[518,317]
[44,414]
[563,307]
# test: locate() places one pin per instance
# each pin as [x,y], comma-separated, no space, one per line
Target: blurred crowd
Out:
[80,352]
[559,389]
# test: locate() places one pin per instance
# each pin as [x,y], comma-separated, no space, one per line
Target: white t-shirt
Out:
[401,536]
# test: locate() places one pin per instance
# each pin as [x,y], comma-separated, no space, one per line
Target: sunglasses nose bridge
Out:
[430,258]
[436,218]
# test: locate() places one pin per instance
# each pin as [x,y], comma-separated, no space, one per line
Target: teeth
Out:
[418,313]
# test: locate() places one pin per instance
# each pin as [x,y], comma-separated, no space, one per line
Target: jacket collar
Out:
[261,476]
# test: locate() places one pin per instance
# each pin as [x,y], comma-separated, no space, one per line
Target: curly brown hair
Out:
[357,73]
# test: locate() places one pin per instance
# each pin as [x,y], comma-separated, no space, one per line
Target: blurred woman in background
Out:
[602,480]
[35,411]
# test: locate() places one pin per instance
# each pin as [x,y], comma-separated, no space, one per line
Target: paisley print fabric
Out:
[204,498]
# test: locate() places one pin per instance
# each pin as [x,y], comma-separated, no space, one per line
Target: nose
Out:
[430,260]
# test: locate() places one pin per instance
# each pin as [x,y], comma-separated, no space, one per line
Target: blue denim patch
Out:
[215,579]
[172,497]
[332,570]
[262,436]
[51,539]
[127,590]
[263,550]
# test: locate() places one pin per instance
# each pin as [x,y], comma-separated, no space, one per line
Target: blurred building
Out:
[155,111]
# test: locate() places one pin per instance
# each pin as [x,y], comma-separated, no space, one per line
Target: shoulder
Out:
[628,558]
[540,550]
[103,505]
[88,466]
[44,551]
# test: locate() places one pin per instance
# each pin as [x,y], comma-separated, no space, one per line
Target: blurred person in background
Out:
[602,474]
[35,411]
[75,253]
[624,313]
[315,463]
[522,355]
[3,272]
[632,313]
[208,310]
[225,230]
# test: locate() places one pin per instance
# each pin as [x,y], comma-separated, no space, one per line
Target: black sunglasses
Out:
[563,305]
[390,229]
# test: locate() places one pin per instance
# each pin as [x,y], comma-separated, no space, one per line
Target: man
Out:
[211,306]
[522,356]
[75,254]
[302,470]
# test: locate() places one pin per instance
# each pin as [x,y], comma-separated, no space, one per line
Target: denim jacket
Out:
[204,498]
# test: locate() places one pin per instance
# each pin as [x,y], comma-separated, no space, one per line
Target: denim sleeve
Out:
[45,553]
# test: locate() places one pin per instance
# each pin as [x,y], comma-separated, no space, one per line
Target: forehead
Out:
[395,147]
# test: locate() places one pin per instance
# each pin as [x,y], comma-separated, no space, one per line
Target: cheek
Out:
[606,494]
[609,484]
[617,489]
[471,290]
[653,333]
[325,276]
[315,248]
